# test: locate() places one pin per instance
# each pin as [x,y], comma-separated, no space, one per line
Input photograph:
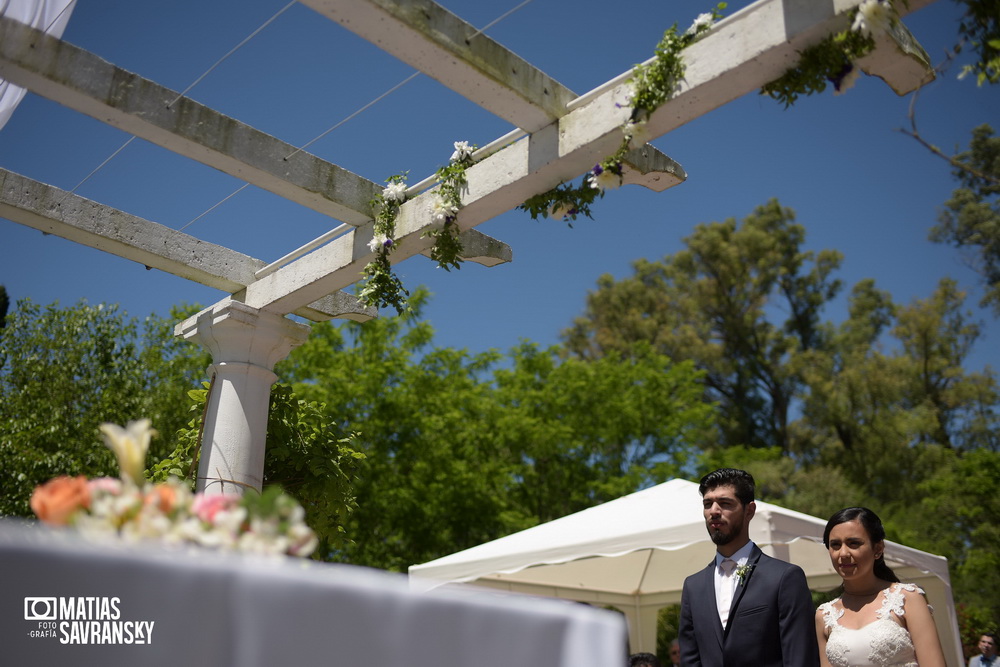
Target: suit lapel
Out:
[741,588]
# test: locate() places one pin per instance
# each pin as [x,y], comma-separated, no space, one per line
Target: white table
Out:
[217,609]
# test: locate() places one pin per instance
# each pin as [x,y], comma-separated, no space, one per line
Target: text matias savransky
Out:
[85,620]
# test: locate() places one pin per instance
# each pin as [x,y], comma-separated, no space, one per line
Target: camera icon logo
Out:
[40,609]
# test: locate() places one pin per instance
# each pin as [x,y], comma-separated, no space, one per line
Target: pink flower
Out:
[206,507]
[106,484]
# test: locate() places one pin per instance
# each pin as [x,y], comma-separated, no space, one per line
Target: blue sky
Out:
[857,184]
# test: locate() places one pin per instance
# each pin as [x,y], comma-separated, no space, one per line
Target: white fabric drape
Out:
[50,16]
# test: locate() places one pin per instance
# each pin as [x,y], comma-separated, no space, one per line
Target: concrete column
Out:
[245,344]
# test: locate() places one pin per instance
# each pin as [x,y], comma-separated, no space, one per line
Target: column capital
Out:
[234,332]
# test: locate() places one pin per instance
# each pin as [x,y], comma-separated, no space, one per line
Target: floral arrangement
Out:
[169,512]
[743,571]
[382,287]
[652,85]
[447,248]
[832,60]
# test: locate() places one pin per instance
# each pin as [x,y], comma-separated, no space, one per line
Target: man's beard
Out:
[720,536]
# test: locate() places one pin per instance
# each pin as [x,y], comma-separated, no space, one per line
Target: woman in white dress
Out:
[877,621]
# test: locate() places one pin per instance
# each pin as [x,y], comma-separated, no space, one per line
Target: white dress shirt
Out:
[725,587]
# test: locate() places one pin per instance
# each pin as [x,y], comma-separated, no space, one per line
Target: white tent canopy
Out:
[633,553]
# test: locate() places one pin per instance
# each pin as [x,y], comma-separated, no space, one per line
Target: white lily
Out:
[130,445]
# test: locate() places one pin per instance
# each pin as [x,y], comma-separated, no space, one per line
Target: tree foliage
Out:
[462,448]
[64,371]
[711,303]
[970,220]
[979,29]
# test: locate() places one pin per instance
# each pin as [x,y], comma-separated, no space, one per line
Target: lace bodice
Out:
[881,643]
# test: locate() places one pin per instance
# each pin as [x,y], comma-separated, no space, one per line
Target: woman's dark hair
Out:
[876,533]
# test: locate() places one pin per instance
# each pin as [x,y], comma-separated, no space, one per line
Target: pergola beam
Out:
[60,213]
[433,40]
[740,55]
[90,85]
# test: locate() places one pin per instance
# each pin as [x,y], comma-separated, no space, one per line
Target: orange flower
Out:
[163,496]
[56,500]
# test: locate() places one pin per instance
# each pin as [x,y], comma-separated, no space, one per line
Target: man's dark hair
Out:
[740,480]
[643,660]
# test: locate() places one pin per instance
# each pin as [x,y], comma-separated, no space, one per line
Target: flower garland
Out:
[168,512]
[652,84]
[447,248]
[832,60]
[382,287]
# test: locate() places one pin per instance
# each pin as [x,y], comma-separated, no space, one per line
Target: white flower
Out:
[442,211]
[561,211]
[604,179]
[378,241]
[130,445]
[847,82]
[230,521]
[463,151]
[395,191]
[703,21]
[873,16]
[636,133]
[303,540]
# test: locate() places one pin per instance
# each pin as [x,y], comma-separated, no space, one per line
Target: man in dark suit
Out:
[745,608]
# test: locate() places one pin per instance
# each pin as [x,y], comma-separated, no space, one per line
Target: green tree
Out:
[714,303]
[588,431]
[888,396]
[433,480]
[960,500]
[970,220]
[462,448]
[979,29]
[937,335]
[65,371]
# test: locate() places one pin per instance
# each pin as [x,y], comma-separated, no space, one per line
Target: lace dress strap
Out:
[893,599]
[830,613]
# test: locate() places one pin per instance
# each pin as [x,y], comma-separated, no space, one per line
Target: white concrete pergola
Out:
[560,136]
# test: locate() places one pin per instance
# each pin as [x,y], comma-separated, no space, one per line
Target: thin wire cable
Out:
[97,168]
[186,90]
[236,192]
[233,50]
[355,113]
[59,15]
[364,108]
[405,81]
[496,20]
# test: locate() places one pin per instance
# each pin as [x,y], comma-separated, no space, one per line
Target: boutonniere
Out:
[743,571]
